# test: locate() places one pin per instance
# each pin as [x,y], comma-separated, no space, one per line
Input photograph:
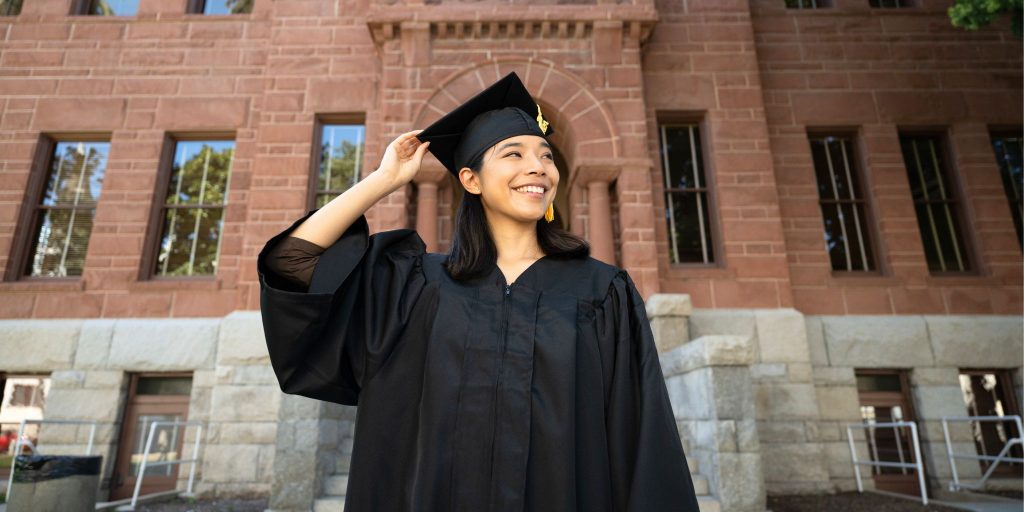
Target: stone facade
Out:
[759,349]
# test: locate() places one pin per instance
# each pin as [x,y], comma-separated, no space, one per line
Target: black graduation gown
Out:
[546,394]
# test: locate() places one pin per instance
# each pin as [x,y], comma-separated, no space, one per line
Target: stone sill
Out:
[44,285]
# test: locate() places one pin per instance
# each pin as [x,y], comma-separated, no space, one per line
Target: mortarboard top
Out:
[503,110]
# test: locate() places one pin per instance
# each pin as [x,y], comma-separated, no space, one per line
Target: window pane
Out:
[189,243]
[61,242]
[686,203]
[1008,154]
[934,203]
[891,3]
[22,397]
[113,7]
[807,4]
[890,382]
[200,172]
[163,448]
[341,154]
[842,207]
[691,236]
[10,7]
[227,6]
[165,386]
[984,395]
[76,173]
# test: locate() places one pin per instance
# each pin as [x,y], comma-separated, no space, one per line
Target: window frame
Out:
[958,194]
[154,227]
[699,120]
[814,5]
[861,179]
[319,122]
[196,7]
[18,264]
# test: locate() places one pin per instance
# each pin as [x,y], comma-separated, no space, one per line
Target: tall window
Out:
[63,219]
[686,195]
[808,4]
[893,4]
[109,7]
[340,160]
[221,6]
[10,7]
[192,214]
[935,202]
[1008,154]
[990,393]
[842,203]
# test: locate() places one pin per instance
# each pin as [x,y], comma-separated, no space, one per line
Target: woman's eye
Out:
[549,155]
[513,153]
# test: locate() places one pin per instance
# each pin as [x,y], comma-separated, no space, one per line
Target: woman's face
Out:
[518,178]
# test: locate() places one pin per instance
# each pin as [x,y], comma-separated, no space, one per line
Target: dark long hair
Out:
[473,253]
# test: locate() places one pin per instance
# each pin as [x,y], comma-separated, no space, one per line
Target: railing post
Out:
[142,467]
[920,466]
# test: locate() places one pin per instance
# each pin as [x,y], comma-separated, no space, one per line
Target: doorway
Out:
[151,397]
[884,398]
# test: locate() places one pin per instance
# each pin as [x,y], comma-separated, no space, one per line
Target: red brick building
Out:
[843,157]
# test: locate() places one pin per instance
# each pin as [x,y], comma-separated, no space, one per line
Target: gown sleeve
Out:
[293,260]
[648,467]
[328,341]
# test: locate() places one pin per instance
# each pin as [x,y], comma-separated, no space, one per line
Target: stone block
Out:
[245,403]
[938,401]
[52,343]
[834,376]
[247,433]
[690,394]
[799,372]
[816,341]
[230,462]
[738,322]
[740,481]
[708,351]
[67,379]
[668,304]
[877,341]
[942,376]
[732,394]
[241,340]
[977,341]
[94,344]
[781,336]
[669,332]
[83,404]
[840,403]
[786,401]
[794,462]
[98,379]
[768,371]
[781,431]
[163,345]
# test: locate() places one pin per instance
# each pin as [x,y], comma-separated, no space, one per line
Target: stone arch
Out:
[585,129]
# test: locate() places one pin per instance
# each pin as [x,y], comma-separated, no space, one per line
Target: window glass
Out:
[1008,154]
[227,6]
[686,195]
[194,208]
[341,156]
[63,220]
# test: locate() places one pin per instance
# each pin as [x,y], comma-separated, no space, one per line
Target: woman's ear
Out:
[470,181]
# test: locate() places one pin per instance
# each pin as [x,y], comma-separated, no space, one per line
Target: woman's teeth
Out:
[530,190]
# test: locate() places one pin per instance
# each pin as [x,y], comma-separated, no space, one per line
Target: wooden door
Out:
[884,398]
[151,398]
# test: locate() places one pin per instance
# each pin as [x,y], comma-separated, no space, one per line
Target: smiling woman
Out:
[513,373]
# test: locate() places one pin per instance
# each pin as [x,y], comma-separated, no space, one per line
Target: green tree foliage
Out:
[974,14]
[338,169]
[191,234]
[239,6]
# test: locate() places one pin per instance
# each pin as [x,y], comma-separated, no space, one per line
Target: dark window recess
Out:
[109,7]
[221,6]
[936,203]
[27,395]
[686,195]
[808,4]
[842,204]
[64,214]
[339,160]
[10,7]
[1008,154]
[989,393]
[193,211]
[891,4]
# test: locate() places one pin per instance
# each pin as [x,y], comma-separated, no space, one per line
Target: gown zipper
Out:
[505,306]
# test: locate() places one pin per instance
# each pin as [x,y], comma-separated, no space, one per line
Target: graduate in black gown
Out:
[514,373]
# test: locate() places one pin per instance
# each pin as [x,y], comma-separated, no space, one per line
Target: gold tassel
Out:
[550,214]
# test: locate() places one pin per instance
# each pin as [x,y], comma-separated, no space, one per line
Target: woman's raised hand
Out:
[402,158]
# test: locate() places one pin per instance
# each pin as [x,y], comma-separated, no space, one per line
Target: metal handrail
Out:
[19,443]
[956,485]
[146,463]
[917,454]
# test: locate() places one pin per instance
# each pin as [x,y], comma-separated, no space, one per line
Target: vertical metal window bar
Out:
[861,239]
[839,206]
[697,189]
[929,202]
[668,195]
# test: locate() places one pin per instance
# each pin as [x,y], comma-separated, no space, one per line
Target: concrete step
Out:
[335,485]
[700,485]
[708,504]
[333,504]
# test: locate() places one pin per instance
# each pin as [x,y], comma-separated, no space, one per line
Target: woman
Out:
[514,373]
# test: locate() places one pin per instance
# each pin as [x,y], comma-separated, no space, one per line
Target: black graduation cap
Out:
[503,110]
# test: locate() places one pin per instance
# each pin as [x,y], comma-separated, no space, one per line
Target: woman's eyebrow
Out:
[519,145]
